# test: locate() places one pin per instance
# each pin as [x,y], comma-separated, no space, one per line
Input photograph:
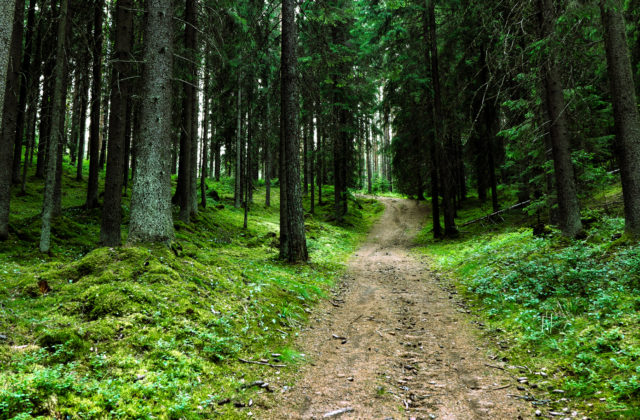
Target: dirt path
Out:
[407,351]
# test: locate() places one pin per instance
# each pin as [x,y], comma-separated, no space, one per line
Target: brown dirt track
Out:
[404,349]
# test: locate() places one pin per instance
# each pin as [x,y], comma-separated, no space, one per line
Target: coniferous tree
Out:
[54,144]
[625,110]
[151,219]
[7,9]
[293,247]
[96,102]
[557,124]
[118,116]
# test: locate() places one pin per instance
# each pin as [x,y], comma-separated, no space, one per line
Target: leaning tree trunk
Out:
[56,131]
[625,111]
[570,222]
[151,219]
[94,126]
[110,232]
[296,240]
[7,9]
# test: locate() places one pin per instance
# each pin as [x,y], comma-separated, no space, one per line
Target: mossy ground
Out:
[569,308]
[151,332]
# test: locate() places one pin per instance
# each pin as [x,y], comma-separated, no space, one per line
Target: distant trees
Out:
[429,98]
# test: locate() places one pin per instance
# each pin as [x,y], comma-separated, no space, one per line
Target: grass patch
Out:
[569,308]
[151,332]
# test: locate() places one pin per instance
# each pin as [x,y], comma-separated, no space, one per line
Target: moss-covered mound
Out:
[151,332]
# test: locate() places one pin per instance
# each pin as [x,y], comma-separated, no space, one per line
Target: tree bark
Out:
[625,111]
[25,82]
[369,163]
[12,92]
[570,222]
[437,146]
[94,126]
[193,53]
[294,219]
[205,136]
[312,164]
[7,19]
[110,230]
[238,175]
[84,100]
[151,219]
[305,156]
[267,145]
[56,130]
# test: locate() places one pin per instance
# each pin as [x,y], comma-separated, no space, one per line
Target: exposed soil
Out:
[394,344]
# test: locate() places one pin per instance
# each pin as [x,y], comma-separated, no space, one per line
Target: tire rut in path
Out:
[395,346]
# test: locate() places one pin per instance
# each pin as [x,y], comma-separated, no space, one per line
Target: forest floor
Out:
[395,342]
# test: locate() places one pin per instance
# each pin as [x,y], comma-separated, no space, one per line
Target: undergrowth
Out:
[568,310]
[151,332]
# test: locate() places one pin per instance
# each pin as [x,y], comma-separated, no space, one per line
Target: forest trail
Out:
[393,345]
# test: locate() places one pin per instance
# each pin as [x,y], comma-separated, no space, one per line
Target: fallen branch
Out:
[494,366]
[516,206]
[337,412]
[255,362]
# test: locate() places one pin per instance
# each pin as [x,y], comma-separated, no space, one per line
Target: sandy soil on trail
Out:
[393,344]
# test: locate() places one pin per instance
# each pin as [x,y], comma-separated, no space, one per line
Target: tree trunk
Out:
[205,136]
[94,126]
[151,219]
[305,156]
[369,164]
[193,53]
[84,100]
[56,130]
[267,146]
[437,145]
[110,230]
[26,71]
[7,19]
[238,176]
[296,241]
[46,102]
[60,114]
[625,111]
[12,92]
[570,222]
[320,158]
[185,188]
[312,165]
[127,142]
[33,97]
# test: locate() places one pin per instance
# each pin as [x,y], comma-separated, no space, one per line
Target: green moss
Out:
[146,331]
[568,306]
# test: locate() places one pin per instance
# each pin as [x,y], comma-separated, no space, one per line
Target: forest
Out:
[311,209]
